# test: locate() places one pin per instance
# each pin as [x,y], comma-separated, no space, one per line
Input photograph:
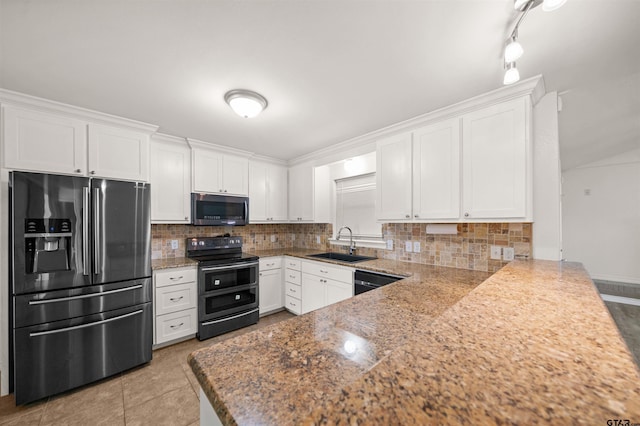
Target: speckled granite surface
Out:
[174,262]
[534,343]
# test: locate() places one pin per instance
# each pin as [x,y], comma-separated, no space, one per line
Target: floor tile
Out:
[87,405]
[10,414]
[178,407]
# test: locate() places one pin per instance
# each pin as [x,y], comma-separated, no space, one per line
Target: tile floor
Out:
[163,392]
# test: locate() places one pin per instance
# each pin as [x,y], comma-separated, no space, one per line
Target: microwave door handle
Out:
[97,267]
[85,230]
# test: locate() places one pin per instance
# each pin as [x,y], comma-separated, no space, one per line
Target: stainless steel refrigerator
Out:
[80,281]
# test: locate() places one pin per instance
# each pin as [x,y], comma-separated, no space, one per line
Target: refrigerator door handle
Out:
[91,324]
[85,230]
[84,296]
[97,267]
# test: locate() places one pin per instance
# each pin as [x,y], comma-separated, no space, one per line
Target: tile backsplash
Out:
[468,249]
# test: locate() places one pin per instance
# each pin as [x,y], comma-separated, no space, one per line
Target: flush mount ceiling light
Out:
[245,103]
[513,50]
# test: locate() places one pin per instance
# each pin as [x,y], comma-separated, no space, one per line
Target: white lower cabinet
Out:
[292,284]
[175,304]
[324,284]
[270,284]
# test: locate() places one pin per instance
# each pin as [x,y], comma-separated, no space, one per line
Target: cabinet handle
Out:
[292,290]
[407,216]
[270,264]
[220,190]
[416,215]
[186,218]
[260,274]
[292,304]
[177,326]
[466,215]
[323,271]
[93,172]
[78,171]
[176,278]
[175,299]
[225,190]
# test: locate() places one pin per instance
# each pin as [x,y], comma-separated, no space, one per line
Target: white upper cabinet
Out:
[118,153]
[170,178]
[496,161]
[37,141]
[436,171]
[43,136]
[216,172]
[393,178]
[301,193]
[267,192]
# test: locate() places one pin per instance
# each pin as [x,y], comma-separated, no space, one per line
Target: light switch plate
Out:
[508,253]
[416,246]
[174,244]
[389,244]
[408,247]
[273,238]
[496,252]
[317,239]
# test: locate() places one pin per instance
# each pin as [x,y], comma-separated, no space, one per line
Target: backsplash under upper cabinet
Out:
[468,249]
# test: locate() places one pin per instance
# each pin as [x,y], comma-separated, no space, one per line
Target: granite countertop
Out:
[533,343]
[172,262]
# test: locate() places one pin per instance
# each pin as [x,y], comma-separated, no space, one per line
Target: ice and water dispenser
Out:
[47,245]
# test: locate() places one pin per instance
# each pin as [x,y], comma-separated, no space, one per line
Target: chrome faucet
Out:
[352,245]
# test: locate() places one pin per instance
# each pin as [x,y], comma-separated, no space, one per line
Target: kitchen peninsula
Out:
[532,343]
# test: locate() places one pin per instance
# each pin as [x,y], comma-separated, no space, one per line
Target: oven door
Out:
[223,303]
[219,277]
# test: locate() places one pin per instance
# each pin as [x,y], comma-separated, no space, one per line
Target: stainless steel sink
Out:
[351,258]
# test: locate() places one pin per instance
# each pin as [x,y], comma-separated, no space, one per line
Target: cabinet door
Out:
[495,161]
[257,191]
[301,193]
[313,293]
[436,171]
[170,179]
[277,192]
[271,293]
[235,175]
[393,178]
[207,171]
[118,153]
[40,142]
[338,291]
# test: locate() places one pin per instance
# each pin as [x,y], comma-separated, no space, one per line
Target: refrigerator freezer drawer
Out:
[32,309]
[55,357]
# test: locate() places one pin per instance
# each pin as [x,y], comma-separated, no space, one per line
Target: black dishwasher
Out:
[366,281]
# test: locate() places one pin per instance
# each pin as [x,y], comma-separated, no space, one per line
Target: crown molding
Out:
[533,87]
[9,97]
[170,139]
[266,159]
[195,143]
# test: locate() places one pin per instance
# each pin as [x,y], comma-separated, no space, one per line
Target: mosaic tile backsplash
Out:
[469,249]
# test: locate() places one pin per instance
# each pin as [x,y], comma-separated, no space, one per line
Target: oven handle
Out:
[83,296]
[233,266]
[230,318]
[91,324]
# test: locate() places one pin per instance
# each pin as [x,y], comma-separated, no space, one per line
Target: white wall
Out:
[547,242]
[601,217]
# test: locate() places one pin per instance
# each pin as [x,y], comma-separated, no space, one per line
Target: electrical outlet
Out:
[416,246]
[508,253]
[273,238]
[317,239]
[174,244]
[389,244]
[408,247]
[496,252]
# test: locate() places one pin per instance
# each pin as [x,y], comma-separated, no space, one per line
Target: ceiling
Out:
[331,70]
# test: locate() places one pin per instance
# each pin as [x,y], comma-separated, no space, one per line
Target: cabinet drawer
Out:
[323,270]
[176,325]
[292,276]
[293,290]
[176,298]
[293,305]
[175,276]
[268,263]
[292,263]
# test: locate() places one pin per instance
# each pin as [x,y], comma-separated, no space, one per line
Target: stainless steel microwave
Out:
[219,210]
